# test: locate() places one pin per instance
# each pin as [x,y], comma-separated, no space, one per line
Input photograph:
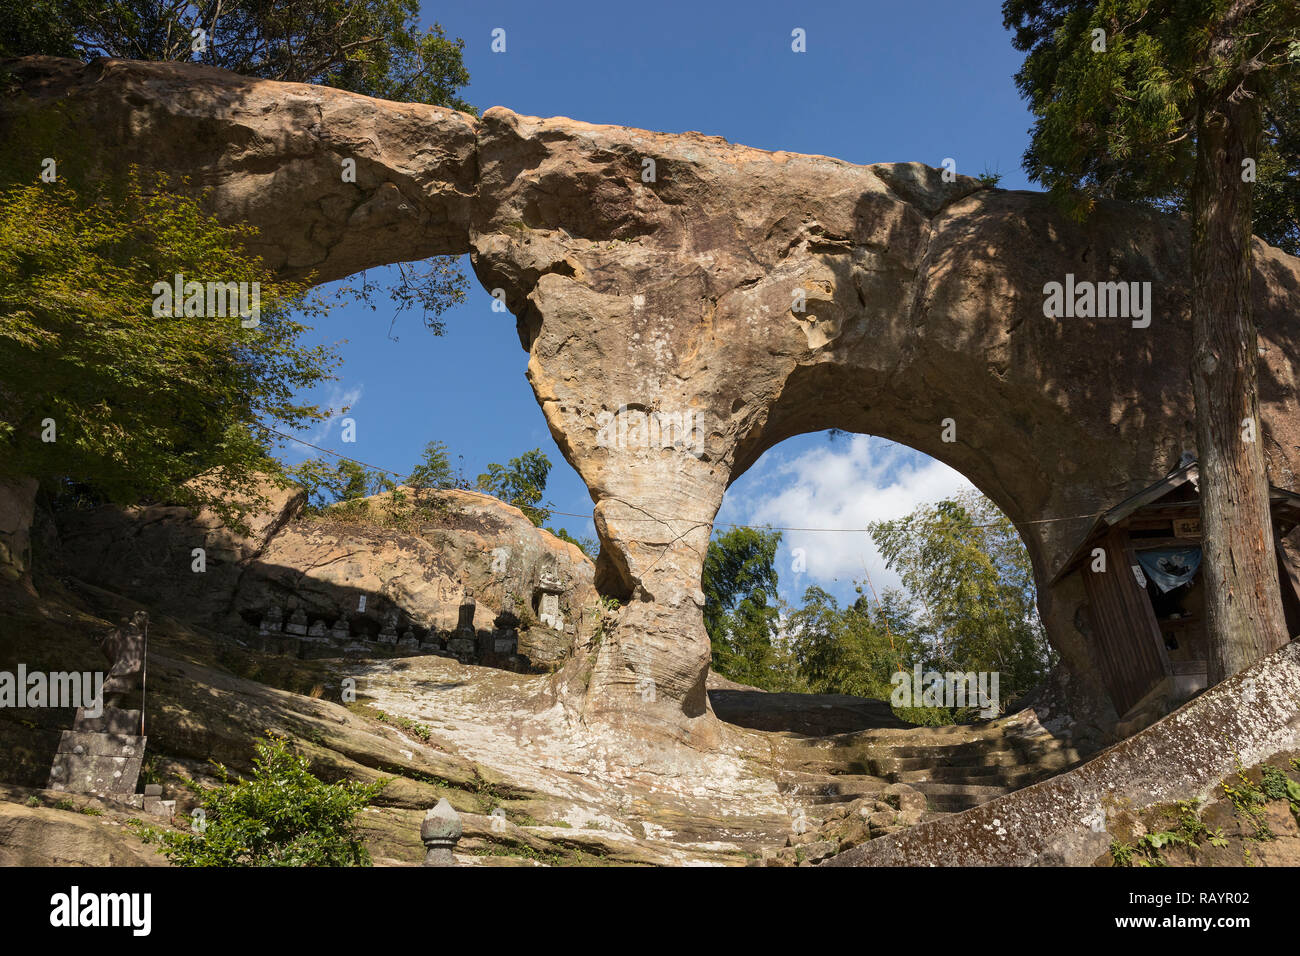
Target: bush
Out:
[283,816]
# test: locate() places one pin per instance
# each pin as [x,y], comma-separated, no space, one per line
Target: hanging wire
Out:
[657,519]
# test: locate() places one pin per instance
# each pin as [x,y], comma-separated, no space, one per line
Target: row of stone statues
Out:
[466,643]
[273,623]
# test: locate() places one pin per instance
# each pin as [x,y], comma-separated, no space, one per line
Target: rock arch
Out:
[924,302]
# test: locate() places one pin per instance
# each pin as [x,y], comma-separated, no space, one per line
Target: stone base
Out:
[97,763]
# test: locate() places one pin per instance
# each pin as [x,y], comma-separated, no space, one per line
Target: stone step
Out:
[955,797]
[81,743]
[97,762]
[888,766]
[920,747]
[95,774]
[827,788]
[1011,776]
[841,796]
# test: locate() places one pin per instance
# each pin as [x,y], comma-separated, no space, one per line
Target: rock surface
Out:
[347,565]
[679,325]
[1069,819]
[17,506]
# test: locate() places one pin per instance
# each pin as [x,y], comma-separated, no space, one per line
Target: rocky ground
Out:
[532,785]
[1251,819]
[788,779]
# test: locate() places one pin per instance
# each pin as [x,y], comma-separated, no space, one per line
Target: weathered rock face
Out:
[17,507]
[351,583]
[680,324]
[267,153]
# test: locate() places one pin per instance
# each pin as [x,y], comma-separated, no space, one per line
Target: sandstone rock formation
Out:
[328,570]
[679,324]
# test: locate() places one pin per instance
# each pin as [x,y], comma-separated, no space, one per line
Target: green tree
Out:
[283,816]
[521,483]
[1277,192]
[966,567]
[852,650]
[372,47]
[433,469]
[332,482]
[741,607]
[1170,101]
[102,394]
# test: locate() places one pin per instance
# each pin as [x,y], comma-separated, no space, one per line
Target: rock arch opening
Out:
[769,293]
[801,597]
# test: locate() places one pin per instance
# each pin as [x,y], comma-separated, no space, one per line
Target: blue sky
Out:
[879,82]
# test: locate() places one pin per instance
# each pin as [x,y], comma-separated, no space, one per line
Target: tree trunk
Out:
[1243,601]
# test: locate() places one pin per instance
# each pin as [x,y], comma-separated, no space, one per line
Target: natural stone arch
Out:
[924,302]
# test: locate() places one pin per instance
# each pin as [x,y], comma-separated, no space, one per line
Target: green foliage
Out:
[851,650]
[1187,830]
[412,727]
[605,618]
[283,816]
[971,607]
[522,483]
[1248,801]
[1276,785]
[433,469]
[1121,853]
[372,47]
[970,576]
[741,607]
[331,482]
[1123,123]
[141,404]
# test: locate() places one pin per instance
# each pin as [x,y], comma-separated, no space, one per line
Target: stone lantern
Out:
[440,832]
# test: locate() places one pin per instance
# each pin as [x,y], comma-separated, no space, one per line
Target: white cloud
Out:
[846,484]
[339,400]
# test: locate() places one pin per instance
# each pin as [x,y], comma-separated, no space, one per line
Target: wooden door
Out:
[1128,645]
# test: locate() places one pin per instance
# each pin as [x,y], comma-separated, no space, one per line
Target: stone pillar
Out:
[388,635]
[440,832]
[272,620]
[549,614]
[463,644]
[650,668]
[103,754]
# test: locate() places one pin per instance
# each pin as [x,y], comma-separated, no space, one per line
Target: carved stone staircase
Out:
[956,767]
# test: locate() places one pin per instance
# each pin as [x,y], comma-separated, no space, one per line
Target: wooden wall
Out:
[1129,647]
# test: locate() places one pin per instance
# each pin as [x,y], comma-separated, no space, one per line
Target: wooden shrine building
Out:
[1146,610]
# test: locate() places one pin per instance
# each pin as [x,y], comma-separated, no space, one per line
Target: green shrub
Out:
[283,816]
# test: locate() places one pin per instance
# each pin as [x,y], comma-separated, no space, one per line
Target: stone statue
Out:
[124,648]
